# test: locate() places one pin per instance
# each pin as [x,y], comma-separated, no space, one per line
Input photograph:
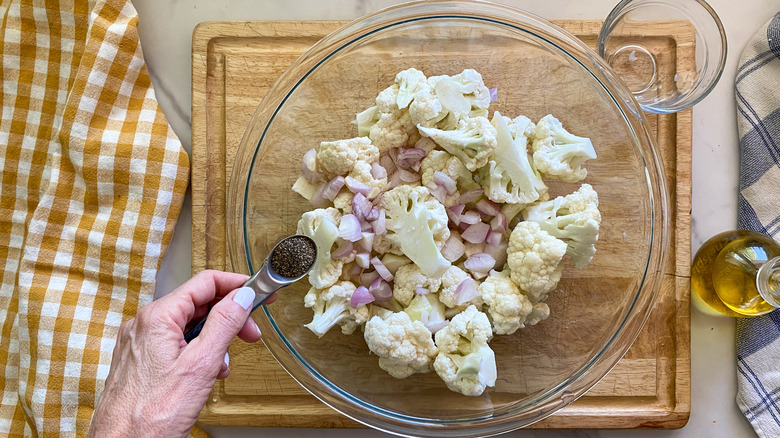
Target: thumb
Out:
[224,321]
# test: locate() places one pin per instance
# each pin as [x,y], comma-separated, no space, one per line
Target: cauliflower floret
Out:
[507,306]
[343,201]
[558,153]
[534,259]
[575,219]
[426,110]
[409,82]
[322,226]
[361,171]
[540,312]
[387,99]
[394,130]
[332,306]
[450,281]
[465,362]
[428,310]
[472,142]
[404,346]
[407,279]
[509,176]
[417,223]
[451,166]
[384,245]
[338,157]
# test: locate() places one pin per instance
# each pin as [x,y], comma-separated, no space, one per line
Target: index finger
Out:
[207,285]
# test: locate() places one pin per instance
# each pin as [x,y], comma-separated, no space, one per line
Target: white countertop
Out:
[166,36]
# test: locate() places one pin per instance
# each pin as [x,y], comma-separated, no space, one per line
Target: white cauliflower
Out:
[450,281]
[383,244]
[506,304]
[322,226]
[407,279]
[394,130]
[332,306]
[465,362]
[575,219]
[451,166]
[540,312]
[558,153]
[472,142]
[409,82]
[534,259]
[426,110]
[404,346]
[417,223]
[343,201]
[338,157]
[509,176]
[361,171]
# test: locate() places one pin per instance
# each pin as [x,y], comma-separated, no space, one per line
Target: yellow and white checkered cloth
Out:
[93,178]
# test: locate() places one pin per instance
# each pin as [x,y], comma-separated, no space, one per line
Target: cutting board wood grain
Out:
[233,66]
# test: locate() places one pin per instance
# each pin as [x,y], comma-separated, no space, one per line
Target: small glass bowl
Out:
[538,69]
[627,41]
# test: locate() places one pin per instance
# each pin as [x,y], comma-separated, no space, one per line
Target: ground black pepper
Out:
[293,256]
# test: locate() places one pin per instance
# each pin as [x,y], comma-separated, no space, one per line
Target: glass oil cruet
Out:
[737,273]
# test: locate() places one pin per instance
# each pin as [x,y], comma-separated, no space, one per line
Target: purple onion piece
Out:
[498,252]
[437,191]
[381,269]
[421,291]
[436,326]
[498,223]
[379,224]
[356,186]
[309,166]
[361,296]
[470,217]
[344,249]
[488,207]
[333,187]
[366,242]
[470,196]
[407,176]
[350,228]
[442,179]
[493,238]
[453,248]
[377,171]
[476,233]
[381,290]
[361,206]
[466,291]
[367,277]
[480,262]
[363,260]
[493,94]
[387,162]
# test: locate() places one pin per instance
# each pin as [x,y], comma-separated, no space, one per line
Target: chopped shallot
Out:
[454,213]
[493,94]
[333,187]
[356,186]
[381,269]
[442,179]
[373,214]
[476,233]
[436,326]
[377,171]
[363,260]
[437,191]
[470,196]
[498,252]
[361,206]
[361,296]
[365,243]
[379,224]
[381,289]
[407,176]
[367,277]
[488,207]
[466,291]
[421,291]
[318,199]
[453,248]
[344,249]
[309,166]
[349,228]
[493,238]
[409,158]
[470,217]
[498,223]
[387,162]
[480,262]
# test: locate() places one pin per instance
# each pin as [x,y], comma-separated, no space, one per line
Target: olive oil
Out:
[725,275]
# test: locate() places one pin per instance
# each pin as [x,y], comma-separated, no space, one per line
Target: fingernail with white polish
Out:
[244,297]
[227,360]
[257,328]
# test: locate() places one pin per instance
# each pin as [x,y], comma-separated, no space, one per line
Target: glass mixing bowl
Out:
[538,69]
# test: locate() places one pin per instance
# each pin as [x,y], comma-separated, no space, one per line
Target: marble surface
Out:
[166,36]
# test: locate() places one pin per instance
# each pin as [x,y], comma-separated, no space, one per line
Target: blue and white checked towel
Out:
[758,119]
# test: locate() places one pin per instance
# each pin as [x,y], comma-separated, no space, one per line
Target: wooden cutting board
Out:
[235,63]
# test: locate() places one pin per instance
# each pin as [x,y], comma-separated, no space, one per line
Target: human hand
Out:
[157,383]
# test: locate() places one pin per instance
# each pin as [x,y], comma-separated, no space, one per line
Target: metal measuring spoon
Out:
[290,260]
